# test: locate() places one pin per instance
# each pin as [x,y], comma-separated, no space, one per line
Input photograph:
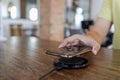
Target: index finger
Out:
[63,44]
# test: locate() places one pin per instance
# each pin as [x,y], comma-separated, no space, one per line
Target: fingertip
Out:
[59,46]
[94,52]
[96,48]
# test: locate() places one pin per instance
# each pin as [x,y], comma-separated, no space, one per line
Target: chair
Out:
[16,30]
[86,25]
[31,31]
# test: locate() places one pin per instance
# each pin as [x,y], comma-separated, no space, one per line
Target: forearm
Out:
[99,31]
[96,35]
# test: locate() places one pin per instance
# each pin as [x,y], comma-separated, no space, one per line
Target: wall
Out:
[84,4]
[5,5]
[95,8]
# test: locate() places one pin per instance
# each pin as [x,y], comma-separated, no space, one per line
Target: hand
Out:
[81,39]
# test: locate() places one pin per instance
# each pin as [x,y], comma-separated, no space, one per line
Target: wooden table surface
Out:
[25,59]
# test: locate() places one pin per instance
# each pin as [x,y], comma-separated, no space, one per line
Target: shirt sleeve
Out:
[106,10]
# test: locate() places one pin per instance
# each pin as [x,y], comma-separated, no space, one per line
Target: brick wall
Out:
[52,14]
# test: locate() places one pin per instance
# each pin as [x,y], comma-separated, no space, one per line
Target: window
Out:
[33,14]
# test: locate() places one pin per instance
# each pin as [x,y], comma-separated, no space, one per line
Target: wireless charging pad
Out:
[71,63]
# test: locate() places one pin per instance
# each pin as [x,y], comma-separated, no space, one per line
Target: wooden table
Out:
[25,59]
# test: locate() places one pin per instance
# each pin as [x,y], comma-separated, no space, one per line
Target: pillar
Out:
[52,17]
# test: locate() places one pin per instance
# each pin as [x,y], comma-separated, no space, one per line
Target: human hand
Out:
[81,40]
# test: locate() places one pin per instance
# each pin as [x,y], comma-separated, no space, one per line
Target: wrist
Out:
[94,37]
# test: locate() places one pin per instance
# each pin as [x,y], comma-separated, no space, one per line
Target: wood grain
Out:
[25,59]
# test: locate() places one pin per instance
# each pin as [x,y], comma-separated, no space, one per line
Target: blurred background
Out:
[18,15]
[50,19]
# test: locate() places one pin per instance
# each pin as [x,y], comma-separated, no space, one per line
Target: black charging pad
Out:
[71,63]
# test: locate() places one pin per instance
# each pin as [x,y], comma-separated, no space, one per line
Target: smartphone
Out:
[69,52]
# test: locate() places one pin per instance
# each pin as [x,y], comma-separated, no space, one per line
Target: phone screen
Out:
[69,51]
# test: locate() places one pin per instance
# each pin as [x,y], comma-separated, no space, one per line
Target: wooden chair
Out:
[16,30]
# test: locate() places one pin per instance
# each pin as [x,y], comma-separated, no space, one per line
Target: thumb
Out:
[95,48]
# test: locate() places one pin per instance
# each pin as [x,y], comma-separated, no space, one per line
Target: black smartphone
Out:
[69,52]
